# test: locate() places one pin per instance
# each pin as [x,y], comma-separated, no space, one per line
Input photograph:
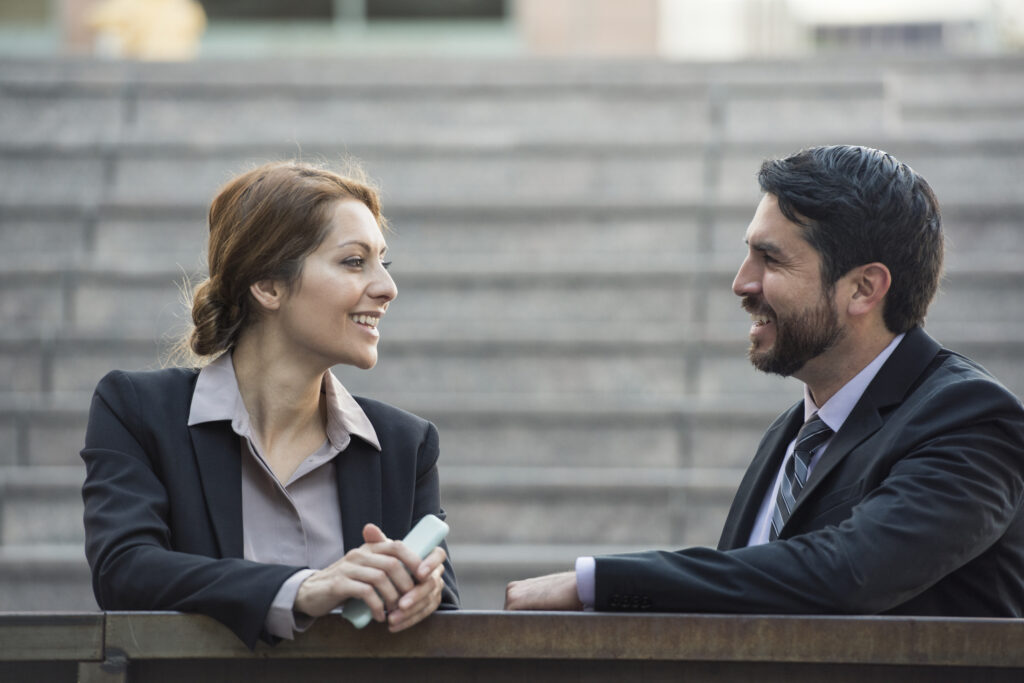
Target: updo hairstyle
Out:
[263,224]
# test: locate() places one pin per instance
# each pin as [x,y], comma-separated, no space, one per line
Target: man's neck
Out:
[830,372]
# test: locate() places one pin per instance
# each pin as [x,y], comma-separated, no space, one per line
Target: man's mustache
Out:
[756,306]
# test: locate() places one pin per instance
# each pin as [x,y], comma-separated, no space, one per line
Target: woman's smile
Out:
[367,321]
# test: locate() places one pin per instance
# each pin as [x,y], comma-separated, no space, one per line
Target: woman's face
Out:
[333,309]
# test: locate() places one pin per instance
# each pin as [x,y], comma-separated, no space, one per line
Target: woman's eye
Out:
[354,262]
[386,264]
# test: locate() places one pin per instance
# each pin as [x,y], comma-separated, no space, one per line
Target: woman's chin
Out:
[366,363]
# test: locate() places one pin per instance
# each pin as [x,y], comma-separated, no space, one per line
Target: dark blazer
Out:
[163,501]
[914,508]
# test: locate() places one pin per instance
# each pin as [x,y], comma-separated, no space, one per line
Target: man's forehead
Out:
[770,229]
[763,223]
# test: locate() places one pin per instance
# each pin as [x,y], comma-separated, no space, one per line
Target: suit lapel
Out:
[359,488]
[889,387]
[758,478]
[220,472]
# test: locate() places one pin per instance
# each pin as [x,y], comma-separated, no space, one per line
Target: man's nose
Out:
[747,280]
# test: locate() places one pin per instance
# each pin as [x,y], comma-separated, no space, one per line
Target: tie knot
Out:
[814,433]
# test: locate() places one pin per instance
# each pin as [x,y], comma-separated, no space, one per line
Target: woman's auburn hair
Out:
[263,224]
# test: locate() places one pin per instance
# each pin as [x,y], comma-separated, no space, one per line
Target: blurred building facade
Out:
[672,29]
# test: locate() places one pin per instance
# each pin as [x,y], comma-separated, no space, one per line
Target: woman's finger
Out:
[418,603]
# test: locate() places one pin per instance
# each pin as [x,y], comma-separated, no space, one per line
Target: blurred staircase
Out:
[565,238]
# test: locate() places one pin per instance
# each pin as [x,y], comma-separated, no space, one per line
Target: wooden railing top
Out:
[538,635]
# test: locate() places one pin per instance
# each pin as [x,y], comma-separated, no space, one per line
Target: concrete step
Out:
[977,83]
[45,578]
[474,176]
[240,76]
[534,423]
[453,239]
[655,369]
[959,171]
[484,430]
[483,298]
[196,117]
[169,239]
[977,171]
[499,504]
[483,116]
[988,98]
[103,105]
[964,120]
[623,505]
[494,103]
[662,367]
[41,505]
[138,303]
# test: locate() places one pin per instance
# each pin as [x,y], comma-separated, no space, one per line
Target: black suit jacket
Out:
[163,501]
[914,508]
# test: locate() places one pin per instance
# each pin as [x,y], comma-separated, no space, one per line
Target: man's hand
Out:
[552,592]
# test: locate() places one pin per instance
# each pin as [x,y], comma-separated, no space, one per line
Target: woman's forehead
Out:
[350,220]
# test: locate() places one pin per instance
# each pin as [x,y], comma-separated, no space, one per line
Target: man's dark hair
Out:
[860,205]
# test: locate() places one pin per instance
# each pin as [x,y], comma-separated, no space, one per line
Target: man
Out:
[902,494]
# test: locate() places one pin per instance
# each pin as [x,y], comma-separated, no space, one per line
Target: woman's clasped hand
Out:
[396,584]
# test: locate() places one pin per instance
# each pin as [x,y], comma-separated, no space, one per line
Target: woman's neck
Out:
[282,395]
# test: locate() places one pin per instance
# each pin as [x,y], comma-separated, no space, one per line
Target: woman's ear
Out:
[871,283]
[267,293]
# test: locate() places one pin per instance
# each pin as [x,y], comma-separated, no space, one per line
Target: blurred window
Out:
[369,9]
[438,9]
[880,36]
[268,9]
[25,11]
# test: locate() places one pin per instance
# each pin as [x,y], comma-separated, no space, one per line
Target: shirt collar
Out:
[345,416]
[216,397]
[838,408]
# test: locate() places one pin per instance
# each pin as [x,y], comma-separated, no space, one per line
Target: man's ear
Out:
[870,284]
[267,293]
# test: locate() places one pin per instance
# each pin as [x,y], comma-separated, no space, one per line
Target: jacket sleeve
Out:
[946,499]
[130,544]
[428,501]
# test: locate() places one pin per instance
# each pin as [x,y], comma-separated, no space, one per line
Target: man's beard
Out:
[798,338]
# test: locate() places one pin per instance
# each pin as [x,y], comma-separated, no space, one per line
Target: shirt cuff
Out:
[282,620]
[586,587]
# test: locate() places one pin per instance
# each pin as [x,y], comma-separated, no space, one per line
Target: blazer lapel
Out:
[758,478]
[889,387]
[359,488]
[220,472]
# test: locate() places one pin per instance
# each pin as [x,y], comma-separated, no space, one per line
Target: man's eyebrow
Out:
[764,246]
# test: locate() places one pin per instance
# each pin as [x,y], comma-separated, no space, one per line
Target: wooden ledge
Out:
[43,636]
[569,636]
[538,646]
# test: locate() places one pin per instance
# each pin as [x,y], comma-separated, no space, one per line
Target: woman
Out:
[257,490]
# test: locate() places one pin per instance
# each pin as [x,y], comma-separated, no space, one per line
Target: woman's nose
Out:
[384,286]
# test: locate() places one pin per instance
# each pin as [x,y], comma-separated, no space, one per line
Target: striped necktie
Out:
[811,436]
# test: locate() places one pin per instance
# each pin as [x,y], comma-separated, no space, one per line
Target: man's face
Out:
[794,318]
